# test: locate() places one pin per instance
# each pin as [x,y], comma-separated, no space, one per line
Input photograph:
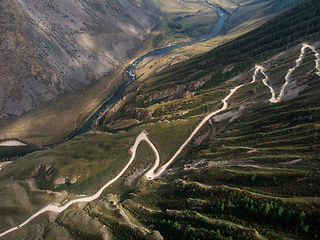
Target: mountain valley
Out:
[52,104]
[204,144]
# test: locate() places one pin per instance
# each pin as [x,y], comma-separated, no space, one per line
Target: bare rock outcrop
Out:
[122,124]
[46,166]
[65,180]
[178,92]
[139,113]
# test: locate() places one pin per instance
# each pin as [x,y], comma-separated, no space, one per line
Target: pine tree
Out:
[266,211]
[280,212]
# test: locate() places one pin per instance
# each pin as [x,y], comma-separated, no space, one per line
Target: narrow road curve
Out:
[57,208]
[275,99]
[151,174]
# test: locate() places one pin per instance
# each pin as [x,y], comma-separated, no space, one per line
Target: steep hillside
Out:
[73,44]
[258,10]
[59,46]
[233,136]
[242,17]
[19,64]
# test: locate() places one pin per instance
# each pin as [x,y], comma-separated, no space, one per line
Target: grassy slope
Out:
[242,17]
[184,21]
[269,177]
[251,190]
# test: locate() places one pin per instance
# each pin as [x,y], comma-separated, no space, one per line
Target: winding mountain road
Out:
[152,174]
[275,99]
[55,207]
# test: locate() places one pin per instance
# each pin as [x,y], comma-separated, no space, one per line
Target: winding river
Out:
[18,151]
[153,173]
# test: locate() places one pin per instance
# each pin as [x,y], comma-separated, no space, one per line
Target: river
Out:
[12,152]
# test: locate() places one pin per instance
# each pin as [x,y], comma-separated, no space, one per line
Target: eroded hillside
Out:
[51,47]
[249,171]
[73,44]
[19,66]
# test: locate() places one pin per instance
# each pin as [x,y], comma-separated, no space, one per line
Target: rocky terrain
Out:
[50,47]
[236,157]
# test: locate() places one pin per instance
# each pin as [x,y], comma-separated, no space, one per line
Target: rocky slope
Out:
[49,47]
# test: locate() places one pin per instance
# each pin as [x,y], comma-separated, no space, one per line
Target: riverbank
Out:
[131,77]
[3,164]
[12,143]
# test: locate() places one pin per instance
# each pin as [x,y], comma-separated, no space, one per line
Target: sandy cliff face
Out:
[52,46]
